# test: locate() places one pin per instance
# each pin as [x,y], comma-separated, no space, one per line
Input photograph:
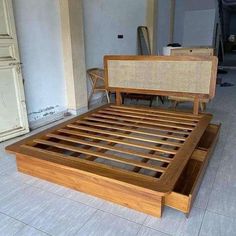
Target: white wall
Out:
[39,37]
[104,20]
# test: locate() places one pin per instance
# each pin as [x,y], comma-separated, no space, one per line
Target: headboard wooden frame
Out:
[193,76]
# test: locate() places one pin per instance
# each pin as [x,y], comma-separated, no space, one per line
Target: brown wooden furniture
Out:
[138,157]
[96,76]
[191,51]
[136,96]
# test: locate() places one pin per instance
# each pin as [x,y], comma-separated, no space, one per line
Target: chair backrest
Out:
[162,75]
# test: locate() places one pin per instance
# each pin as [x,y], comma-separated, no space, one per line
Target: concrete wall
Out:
[39,37]
[184,7]
[192,5]
[104,20]
[179,21]
[233,24]
[163,24]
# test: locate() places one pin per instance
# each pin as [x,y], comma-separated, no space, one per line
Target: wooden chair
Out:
[176,100]
[96,76]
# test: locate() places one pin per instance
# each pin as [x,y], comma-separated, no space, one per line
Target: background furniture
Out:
[96,76]
[191,51]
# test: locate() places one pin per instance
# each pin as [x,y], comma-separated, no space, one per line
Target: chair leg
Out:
[203,106]
[108,98]
[162,99]
[151,100]
[90,96]
[175,104]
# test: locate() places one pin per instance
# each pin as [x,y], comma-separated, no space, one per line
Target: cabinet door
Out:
[13,114]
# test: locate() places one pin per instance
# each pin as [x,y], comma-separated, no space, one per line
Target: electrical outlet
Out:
[120,36]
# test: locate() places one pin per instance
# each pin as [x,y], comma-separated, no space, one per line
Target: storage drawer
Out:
[187,186]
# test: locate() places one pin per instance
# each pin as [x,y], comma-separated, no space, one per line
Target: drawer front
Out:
[187,187]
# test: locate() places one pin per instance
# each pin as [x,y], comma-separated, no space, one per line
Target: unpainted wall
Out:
[184,7]
[39,37]
[104,20]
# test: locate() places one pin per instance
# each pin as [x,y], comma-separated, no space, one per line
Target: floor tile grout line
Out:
[99,209]
[86,222]
[167,234]
[61,196]
[139,230]
[227,216]
[24,223]
[199,231]
[217,169]
[120,217]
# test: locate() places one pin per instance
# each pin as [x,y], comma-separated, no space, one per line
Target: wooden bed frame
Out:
[138,157]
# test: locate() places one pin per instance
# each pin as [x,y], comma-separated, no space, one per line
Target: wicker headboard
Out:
[188,76]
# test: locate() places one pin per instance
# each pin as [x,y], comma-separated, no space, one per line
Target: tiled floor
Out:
[29,206]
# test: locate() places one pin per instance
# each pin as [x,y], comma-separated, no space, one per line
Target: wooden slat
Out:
[16,146]
[154,114]
[148,128]
[164,124]
[101,155]
[119,134]
[146,110]
[111,148]
[116,174]
[160,185]
[166,119]
[92,158]
[109,139]
[129,130]
[176,167]
[165,128]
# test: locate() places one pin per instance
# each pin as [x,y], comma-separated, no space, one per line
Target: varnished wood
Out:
[184,194]
[135,198]
[112,148]
[76,146]
[103,155]
[119,134]
[160,117]
[143,117]
[116,140]
[127,129]
[151,111]
[181,129]
[118,98]
[116,79]
[196,106]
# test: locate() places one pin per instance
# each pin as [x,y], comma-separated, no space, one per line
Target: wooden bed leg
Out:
[187,215]
[196,106]
[160,207]
[118,98]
